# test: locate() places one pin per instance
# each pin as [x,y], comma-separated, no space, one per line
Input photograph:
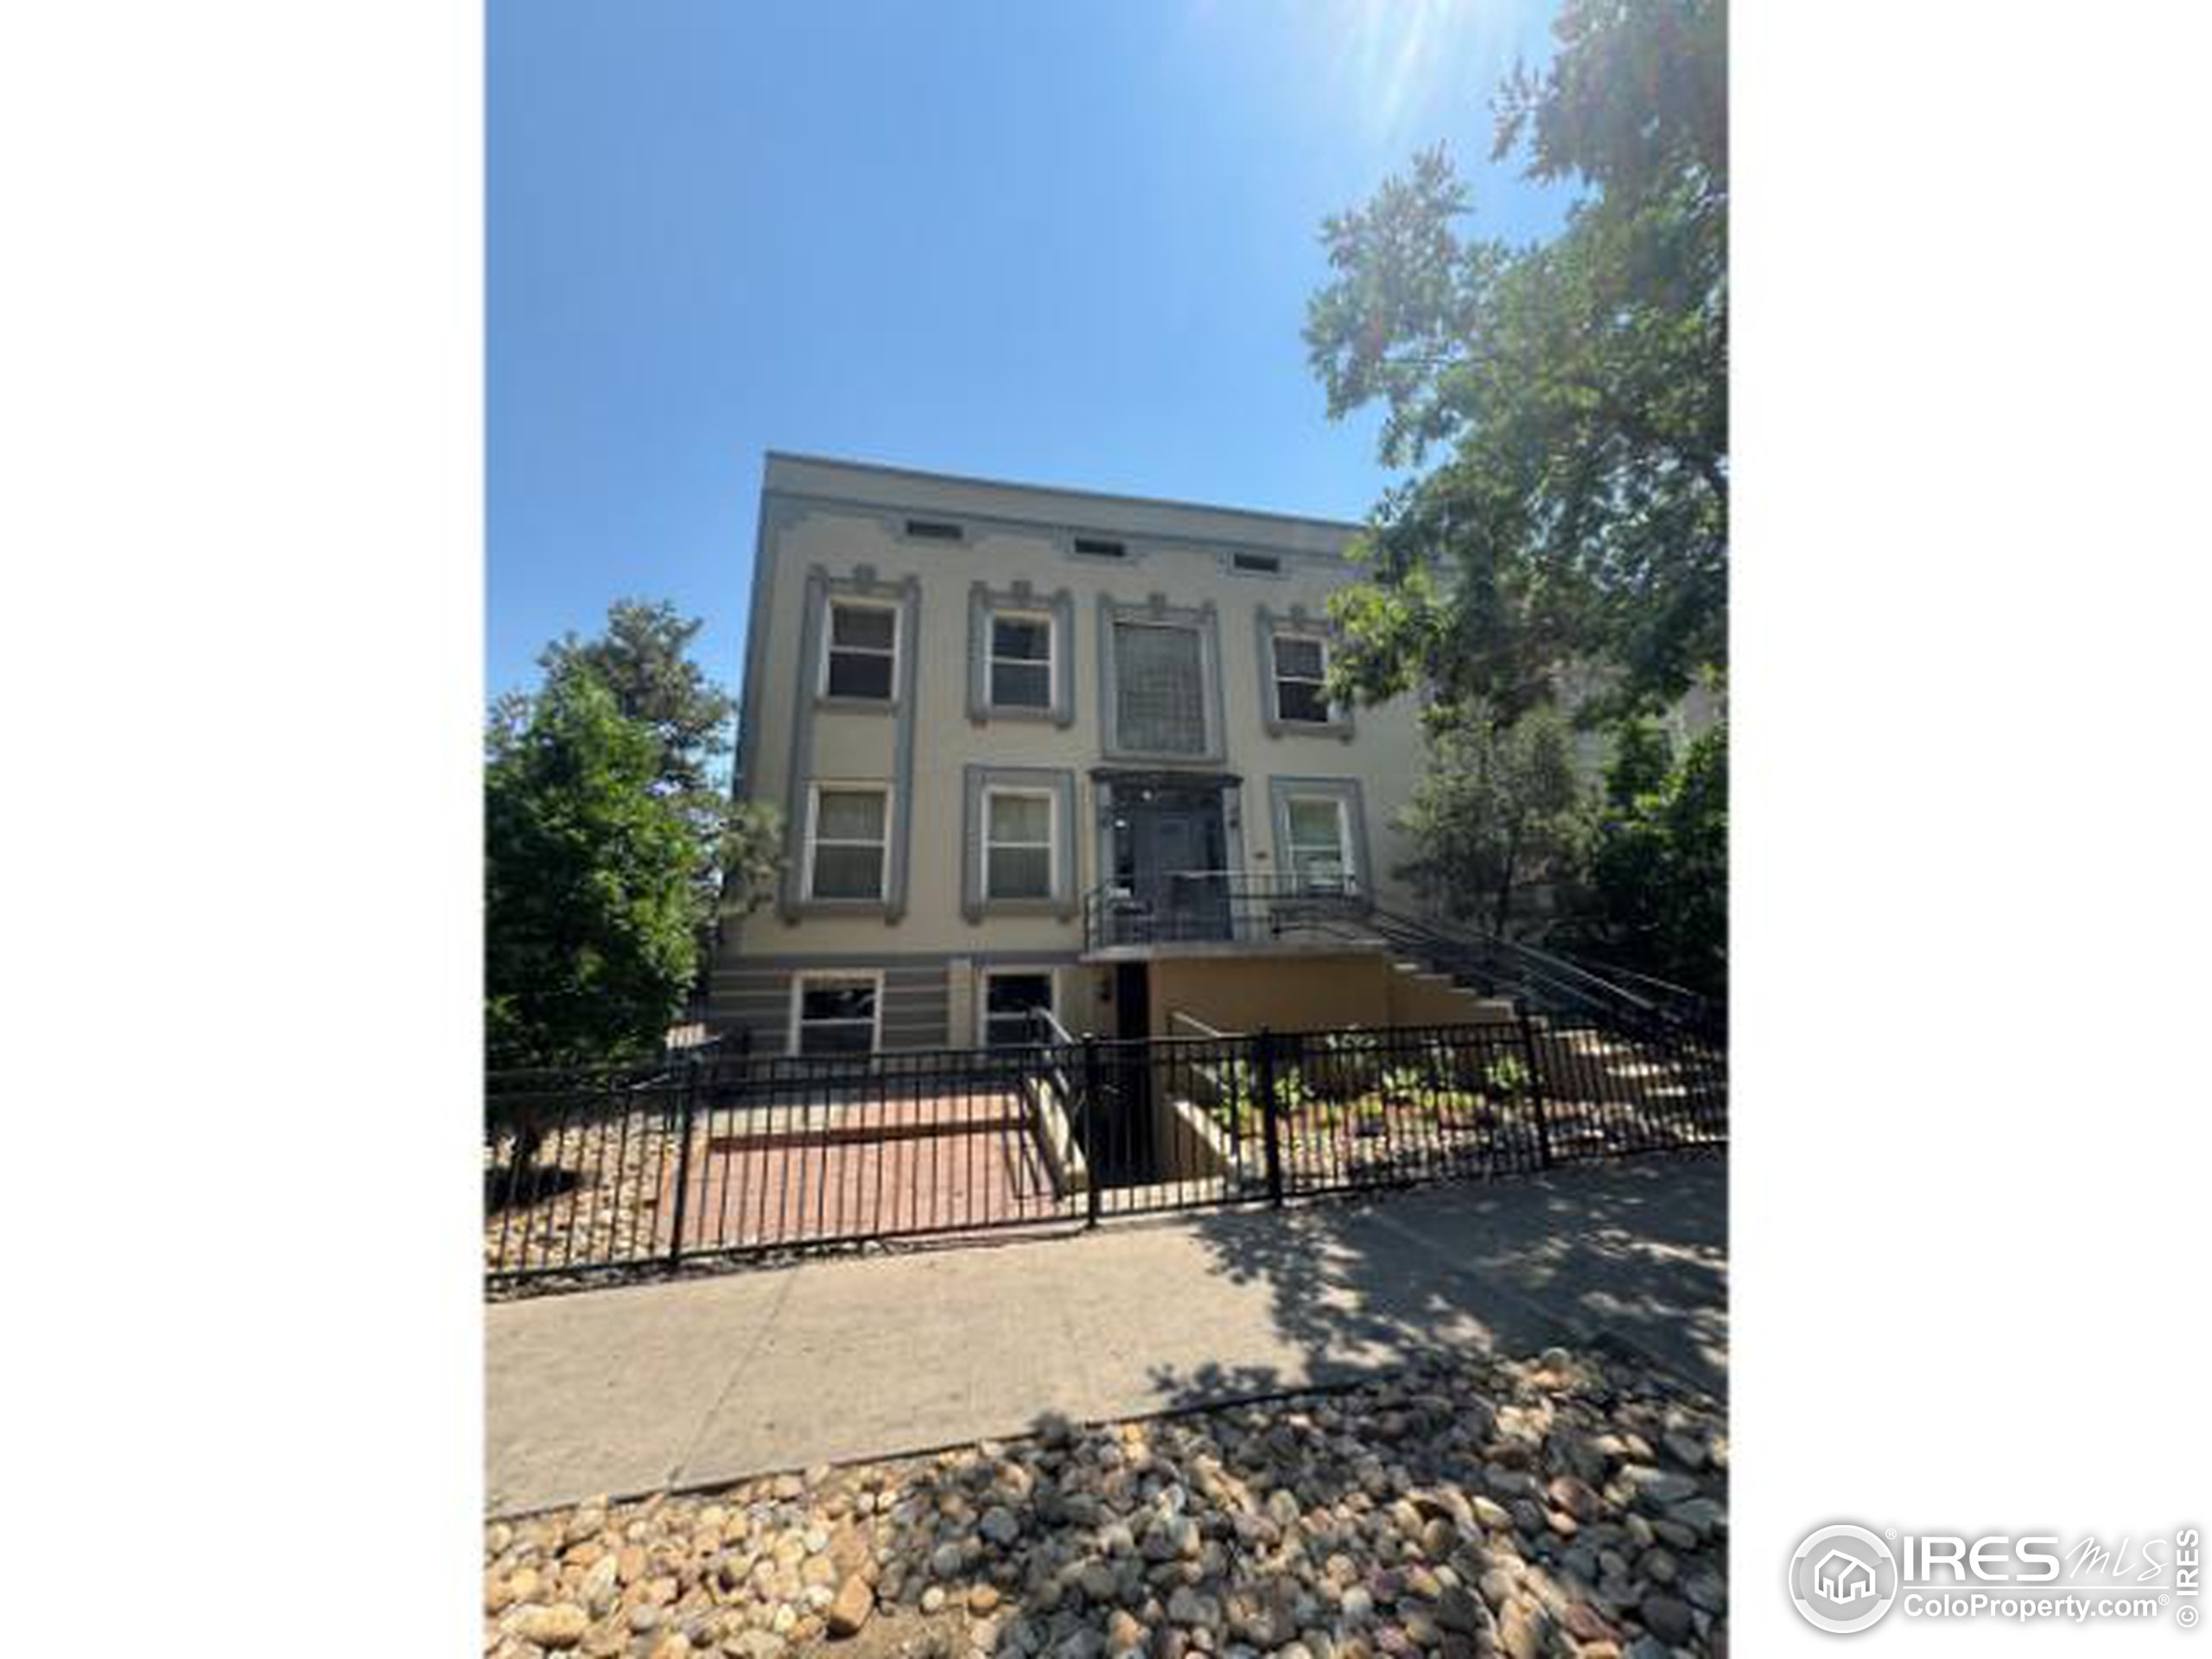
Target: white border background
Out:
[1972,865]
[240,412]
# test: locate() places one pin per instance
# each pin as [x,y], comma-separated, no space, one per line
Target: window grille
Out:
[1159,688]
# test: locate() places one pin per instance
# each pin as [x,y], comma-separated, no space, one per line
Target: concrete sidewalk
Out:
[703,1380]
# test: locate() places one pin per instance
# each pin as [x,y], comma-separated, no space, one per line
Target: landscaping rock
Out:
[1462,1508]
[556,1627]
[1667,1618]
[856,1600]
[1521,1631]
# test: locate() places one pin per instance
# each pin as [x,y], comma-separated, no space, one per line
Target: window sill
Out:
[841,907]
[1060,909]
[1340,729]
[1036,716]
[841,705]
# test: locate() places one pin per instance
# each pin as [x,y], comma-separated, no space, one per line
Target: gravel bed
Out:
[1566,1504]
[601,1182]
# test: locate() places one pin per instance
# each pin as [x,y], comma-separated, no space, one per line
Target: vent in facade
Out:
[1096,548]
[932,529]
[1265,564]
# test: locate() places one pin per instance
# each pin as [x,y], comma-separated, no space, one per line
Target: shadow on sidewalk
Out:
[1632,1255]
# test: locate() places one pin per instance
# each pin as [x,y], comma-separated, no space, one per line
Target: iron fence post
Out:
[1091,1183]
[689,1102]
[1264,1058]
[1536,1090]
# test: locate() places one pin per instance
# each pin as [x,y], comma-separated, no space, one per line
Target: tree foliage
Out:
[592,910]
[1497,814]
[643,658]
[1579,384]
[599,785]
[1658,869]
[1562,539]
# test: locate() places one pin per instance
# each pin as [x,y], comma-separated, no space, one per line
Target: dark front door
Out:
[1121,1141]
[1132,1001]
[1170,848]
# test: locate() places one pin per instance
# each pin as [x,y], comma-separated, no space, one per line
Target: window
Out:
[863,650]
[1015,856]
[848,841]
[1259,565]
[1021,661]
[1010,1002]
[1301,672]
[1017,844]
[835,1014]
[1159,688]
[932,529]
[1318,855]
[1095,547]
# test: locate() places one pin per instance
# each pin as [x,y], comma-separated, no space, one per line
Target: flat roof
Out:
[1024,500]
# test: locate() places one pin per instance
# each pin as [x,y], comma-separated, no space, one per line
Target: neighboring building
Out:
[1045,746]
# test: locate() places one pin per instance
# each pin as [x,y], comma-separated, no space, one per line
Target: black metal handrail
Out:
[1210,905]
[1238,905]
[1690,1008]
[1547,982]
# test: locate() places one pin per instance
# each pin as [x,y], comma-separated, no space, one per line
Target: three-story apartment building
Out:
[1042,748]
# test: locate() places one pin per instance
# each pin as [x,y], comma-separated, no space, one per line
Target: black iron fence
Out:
[719,1154]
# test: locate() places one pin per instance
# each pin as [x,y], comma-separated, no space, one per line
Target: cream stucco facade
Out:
[873,721]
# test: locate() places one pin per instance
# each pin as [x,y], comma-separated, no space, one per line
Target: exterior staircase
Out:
[1542,983]
[1208,908]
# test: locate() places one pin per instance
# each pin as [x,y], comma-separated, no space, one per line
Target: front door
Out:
[1122,1138]
[1170,849]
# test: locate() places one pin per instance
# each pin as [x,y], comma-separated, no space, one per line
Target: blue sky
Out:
[1063,243]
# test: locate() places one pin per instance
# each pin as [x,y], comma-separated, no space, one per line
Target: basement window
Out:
[1011,1004]
[835,1014]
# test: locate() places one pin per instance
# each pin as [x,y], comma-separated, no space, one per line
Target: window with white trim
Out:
[1012,999]
[1301,679]
[862,652]
[1320,842]
[1018,843]
[846,841]
[1022,661]
[835,1014]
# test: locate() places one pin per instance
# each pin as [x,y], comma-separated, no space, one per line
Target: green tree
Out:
[643,658]
[1578,386]
[1658,875]
[1498,814]
[592,910]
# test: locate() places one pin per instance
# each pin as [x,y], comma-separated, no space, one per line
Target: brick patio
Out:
[813,1175]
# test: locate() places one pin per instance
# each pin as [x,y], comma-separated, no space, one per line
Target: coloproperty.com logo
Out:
[1845,1578]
